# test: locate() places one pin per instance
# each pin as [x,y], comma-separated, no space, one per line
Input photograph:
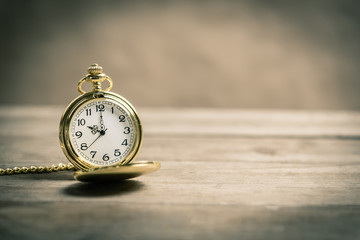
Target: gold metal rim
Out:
[65,123]
[117,173]
[81,82]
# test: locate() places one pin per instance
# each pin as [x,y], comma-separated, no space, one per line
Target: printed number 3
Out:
[127,130]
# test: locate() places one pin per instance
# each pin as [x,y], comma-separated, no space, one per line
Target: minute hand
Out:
[102,121]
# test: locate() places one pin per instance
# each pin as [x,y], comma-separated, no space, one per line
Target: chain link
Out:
[39,169]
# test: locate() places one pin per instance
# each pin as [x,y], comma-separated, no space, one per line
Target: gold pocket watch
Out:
[100,134]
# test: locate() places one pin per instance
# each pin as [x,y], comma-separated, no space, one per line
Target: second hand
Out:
[102,133]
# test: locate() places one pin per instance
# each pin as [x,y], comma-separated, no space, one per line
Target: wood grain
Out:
[226,174]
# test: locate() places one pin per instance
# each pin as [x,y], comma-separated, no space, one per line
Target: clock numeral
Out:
[83,146]
[81,122]
[100,108]
[124,143]
[117,152]
[78,134]
[93,154]
[88,112]
[127,130]
[112,110]
[106,157]
[122,118]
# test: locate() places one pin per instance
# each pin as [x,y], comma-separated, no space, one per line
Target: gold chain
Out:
[39,169]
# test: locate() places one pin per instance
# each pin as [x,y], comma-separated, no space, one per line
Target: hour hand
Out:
[94,129]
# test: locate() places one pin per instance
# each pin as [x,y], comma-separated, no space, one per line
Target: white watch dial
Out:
[102,133]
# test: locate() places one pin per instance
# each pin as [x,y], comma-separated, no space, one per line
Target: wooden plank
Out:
[219,171]
[227,122]
[62,220]
[243,183]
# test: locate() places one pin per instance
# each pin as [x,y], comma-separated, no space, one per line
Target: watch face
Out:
[102,132]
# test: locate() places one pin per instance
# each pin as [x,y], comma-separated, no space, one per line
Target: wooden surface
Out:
[226,174]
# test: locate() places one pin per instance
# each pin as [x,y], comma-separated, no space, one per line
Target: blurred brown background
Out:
[232,54]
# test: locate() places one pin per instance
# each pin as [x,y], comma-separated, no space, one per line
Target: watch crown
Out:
[95,69]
